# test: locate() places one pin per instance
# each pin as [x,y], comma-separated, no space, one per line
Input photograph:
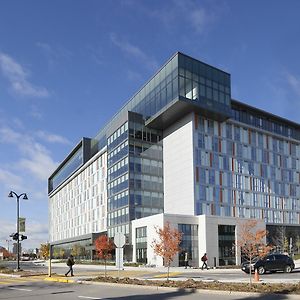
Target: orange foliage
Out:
[252,240]
[104,247]
[167,246]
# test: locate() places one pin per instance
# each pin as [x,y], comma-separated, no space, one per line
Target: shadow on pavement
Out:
[157,296]
[265,297]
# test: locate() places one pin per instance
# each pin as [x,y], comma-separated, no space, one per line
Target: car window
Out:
[270,257]
[279,256]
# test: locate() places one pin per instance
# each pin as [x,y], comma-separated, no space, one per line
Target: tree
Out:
[252,242]
[78,250]
[104,247]
[280,239]
[44,249]
[167,245]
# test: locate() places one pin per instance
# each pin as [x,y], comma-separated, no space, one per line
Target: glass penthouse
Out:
[180,146]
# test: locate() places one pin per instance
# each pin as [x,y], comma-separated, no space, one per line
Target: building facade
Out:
[180,147]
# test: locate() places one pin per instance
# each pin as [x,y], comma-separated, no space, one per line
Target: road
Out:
[232,275]
[38,289]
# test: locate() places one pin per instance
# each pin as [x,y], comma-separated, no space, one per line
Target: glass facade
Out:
[182,77]
[74,162]
[135,174]
[226,236]
[79,207]
[189,244]
[263,121]
[141,244]
[244,172]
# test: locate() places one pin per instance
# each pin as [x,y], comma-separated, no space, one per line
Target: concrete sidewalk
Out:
[160,273]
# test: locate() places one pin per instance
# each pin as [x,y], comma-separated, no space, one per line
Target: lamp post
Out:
[11,195]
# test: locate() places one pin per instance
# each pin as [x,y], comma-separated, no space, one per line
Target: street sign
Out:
[119,239]
[22,224]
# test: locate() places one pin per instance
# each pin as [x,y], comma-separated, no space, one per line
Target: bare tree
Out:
[280,239]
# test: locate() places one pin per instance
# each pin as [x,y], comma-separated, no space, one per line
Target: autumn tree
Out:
[104,247]
[78,250]
[251,240]
[298,244]
[167,245]
[44,249]
[280,239]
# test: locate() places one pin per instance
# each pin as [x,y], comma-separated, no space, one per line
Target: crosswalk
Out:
[19,280]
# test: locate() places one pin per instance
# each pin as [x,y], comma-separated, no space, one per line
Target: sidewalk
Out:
[160,273]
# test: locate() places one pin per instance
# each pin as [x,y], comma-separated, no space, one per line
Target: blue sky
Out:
[67,66]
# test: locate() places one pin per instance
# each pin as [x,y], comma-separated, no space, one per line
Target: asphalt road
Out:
[63,291]
[178,273]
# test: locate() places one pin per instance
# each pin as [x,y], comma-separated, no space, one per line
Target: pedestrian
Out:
[70,263]
[204,259]
[186,259]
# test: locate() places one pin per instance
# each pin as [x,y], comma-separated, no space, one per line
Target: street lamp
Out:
[11,195]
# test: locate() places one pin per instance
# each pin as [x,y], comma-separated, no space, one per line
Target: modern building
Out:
[180,150]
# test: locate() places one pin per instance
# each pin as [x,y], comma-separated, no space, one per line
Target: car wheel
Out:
[288,269]
[261,270]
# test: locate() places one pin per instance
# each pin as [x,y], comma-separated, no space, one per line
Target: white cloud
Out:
[36,233]
[294,82]
[36,158]
[18,78]
[134,52]
[52,138]
[10,180]
[189,12]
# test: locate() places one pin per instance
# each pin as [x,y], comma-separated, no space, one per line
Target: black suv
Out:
[272,263]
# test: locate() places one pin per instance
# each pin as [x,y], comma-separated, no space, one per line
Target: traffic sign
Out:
[119,239]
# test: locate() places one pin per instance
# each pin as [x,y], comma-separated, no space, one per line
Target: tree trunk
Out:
[105,267]
[250,271]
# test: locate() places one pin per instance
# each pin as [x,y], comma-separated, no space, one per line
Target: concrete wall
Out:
[178,153]
[208,240]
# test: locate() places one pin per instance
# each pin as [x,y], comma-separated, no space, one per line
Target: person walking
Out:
[70,264]
[186,260]
[204,259]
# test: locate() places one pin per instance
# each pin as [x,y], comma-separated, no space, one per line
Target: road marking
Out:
[26,290]
[86,297]
[171,274]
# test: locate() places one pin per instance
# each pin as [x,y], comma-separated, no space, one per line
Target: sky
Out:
[67,66]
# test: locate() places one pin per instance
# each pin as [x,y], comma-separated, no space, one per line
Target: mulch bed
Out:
[277,288]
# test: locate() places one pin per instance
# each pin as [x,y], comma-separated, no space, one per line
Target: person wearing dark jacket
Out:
[70,263]
[204,260]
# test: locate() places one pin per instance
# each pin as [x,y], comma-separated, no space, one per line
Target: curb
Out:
[60,280]
[9,275]
[187,290]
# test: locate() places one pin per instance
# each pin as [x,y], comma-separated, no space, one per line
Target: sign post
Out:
[119,241]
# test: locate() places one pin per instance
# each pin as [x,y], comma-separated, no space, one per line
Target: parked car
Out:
[271,263]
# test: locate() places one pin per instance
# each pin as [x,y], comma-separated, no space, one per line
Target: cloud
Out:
[134,52]
[190,13]
[36,158]
[10,180]
[36,232]
[18,78]
[294,83]
[52,138]
[54,54]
